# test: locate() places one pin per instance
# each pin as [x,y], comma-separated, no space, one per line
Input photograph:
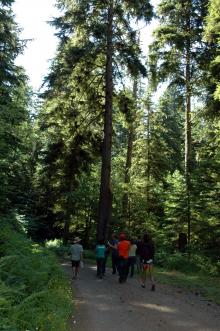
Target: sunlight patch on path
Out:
[160,308]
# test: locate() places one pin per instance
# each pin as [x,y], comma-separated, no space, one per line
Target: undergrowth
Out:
[34,292]
[199,274]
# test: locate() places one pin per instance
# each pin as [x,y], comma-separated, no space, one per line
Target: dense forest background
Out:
[96,153]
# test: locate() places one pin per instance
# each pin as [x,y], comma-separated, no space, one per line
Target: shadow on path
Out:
[106,305]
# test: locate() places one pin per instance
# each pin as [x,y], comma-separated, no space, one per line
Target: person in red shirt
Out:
[123,253]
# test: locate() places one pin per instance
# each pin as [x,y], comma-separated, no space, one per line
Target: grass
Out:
[200,284]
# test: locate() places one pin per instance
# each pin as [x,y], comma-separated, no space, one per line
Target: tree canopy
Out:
[98,153]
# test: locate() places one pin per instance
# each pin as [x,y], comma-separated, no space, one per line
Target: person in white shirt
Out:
[132,258]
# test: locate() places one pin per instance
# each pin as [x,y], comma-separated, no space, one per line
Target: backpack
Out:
[147,251]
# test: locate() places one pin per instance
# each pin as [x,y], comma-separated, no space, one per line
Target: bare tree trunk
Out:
[88,220]
[148,156]
[125,199]
[105,200]
[188,154]
[188,142]
[68,214]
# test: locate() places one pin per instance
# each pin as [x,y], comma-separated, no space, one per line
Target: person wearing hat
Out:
[76,251]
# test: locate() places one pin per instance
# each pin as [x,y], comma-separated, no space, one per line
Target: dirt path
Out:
[106,305]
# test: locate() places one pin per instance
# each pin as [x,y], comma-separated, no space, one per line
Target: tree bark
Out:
[68,213]
[105,200]
[148,158]
[188,142]
[125,199]
[188,156]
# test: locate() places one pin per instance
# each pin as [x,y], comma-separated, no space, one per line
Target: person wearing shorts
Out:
[147,259]
[75,264]
[76,251]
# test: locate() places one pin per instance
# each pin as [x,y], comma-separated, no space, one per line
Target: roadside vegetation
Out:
[34,292]
[199,275]
[200,284]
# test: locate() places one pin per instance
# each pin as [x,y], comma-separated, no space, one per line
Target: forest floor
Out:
[110,306]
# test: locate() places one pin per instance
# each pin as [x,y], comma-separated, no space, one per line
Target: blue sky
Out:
[32,17]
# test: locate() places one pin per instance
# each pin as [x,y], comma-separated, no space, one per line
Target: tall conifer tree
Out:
[176,55]
[13,110]
[97,40]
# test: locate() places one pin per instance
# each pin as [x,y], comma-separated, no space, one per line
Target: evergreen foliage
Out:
[212,31]
[14,118]
[160,176]
[80,92]
[35,294]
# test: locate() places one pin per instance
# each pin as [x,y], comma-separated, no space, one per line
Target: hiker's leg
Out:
[77,263]
[74,268]
[120,269]
[117,263]
[102,266]
[98,267]
[138,263]
[150,268]
[133,260]
[143,275]
[113,264]
[129,265]
[125,270]
[76,271]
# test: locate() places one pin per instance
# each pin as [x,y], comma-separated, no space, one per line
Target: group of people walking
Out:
[125,255]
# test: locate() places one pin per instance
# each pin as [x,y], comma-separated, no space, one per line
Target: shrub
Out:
[181,262]
[34,292]
[57,247]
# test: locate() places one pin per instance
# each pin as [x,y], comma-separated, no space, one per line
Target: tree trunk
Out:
[188,159]
[188,130]
[68,214]
[125,199]
[87,228]
[148,157]
[105,200]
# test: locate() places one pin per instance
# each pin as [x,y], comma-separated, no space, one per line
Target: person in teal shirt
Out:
[100,258]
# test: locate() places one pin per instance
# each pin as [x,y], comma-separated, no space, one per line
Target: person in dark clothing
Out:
[138,258]
[147,251]
[113,245]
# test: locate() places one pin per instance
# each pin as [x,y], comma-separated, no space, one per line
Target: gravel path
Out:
[106,305]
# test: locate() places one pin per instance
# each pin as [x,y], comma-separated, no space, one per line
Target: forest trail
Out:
[110,306]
